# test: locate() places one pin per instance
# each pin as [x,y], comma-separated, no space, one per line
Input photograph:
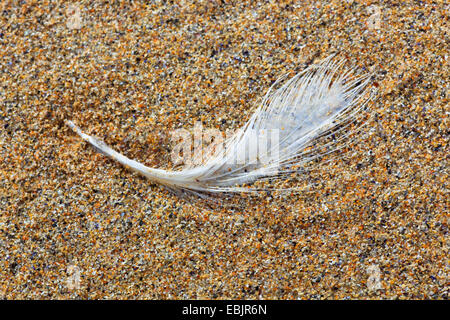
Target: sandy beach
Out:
[76,225]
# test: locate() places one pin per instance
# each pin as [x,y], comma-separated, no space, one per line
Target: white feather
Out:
[318,102]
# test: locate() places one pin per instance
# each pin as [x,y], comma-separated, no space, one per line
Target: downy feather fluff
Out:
[317,103]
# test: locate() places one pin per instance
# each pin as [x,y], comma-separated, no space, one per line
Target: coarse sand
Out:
[74,224]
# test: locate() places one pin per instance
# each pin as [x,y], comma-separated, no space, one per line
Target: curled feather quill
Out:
[317,103]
